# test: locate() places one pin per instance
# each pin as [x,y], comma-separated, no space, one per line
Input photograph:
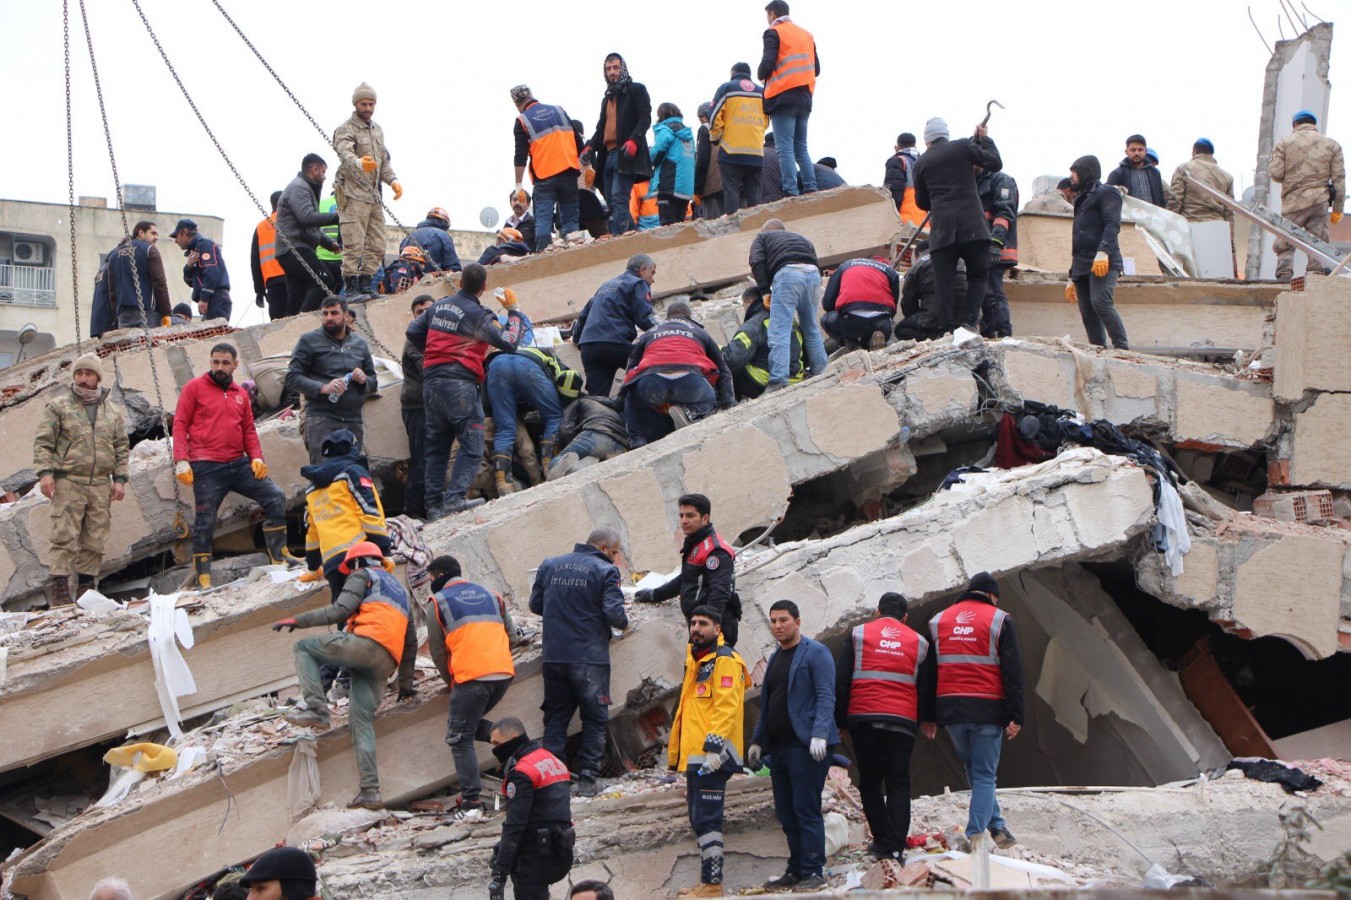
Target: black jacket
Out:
[578,596]
[634,115]
[299,218]
[528,809]
[772,250]
[900,172]
[706,164]
[410,394]
[598,414]
[999,198]
[317,359]
[921,321]
[709,584]
[796,98]
[1097,223]
[945,184]
[1121,177]
[972,710]
[615,312]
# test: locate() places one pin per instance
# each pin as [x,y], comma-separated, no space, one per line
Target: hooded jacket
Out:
[433,236]
[298,215]
[1097,219]
[672,159]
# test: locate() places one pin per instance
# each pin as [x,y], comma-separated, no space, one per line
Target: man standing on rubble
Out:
[605,328]
[301,224]
[546,141]
[974,686]
[707,570]
[216,451]
[1139,178]
[578,596]
[619,145]
[860,302]
[363,165]
[795,732]
[1311,171]
[1096,263]
[737,127]
[1191,202]
[137,287]
[877,697]
[80,454]
[785,270]
[204,271]
[378,637]
[789,68]
[999,198]
[269,279]
[415,419]
[537,837]
[333,367]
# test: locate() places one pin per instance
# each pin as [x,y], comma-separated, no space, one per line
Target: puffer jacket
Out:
[1194,204]
[68,446]
[298,216]
[672,159]
[1303,163]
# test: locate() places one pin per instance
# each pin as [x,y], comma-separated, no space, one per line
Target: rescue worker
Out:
[363,166]
[414,419]
[708,738]
[432,237]
[899,178]
[877,698]
[739,131]
[999,198]
[102,315]
[1097,254]
[707,569]
[455,336]
[784,264]
[747,353]
[468,641]
[592,431]
[921,319]
[333,367]
[404,272]
[282,873]
[605,328]
[204,272]
[619,145]
[1311,171]
[975,688]
[342,509]
[945,186]
[137,286]
[1189,201]
[675,375]
[509,242]
[216,452]
[578,596]
[529,379]
[80,453]
[546,139]
[301,225]
[1137,175]
[378,637]
[522,220]
[707,172]
[537,837]
[269,279]
[860,302]
[789,68]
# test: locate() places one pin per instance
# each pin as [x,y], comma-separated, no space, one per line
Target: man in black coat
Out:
[1097,255]
[1138,175]
[619,145]
[945,186]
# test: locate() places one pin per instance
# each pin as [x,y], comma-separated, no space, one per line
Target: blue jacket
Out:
[207,275]
[616,312]
[102,316]
[672,159]
[811,695]
[578,595]
[436,242]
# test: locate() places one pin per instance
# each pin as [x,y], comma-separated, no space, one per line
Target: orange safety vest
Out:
[887,657]
[553,143]
[267,248]
[796,65]
[476,636]
[966,639]
[383,614]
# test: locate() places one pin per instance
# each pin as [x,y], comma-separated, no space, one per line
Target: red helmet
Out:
[437,212]
[357,551]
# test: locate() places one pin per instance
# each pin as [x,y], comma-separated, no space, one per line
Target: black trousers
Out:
[976,255]
[275,291]
[303,292]
[884,781]
[600,361]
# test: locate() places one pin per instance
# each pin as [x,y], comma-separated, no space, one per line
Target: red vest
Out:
[887,657]
[966,638]
[674,343]
[541,767]
[865,281]
[699,555]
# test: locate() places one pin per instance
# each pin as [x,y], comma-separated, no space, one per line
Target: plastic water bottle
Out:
[347,380]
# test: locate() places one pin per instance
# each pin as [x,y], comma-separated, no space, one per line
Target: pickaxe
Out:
[985,121]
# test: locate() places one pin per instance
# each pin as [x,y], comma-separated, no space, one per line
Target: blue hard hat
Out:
[1304,116]
[1207,142]
[1150,154]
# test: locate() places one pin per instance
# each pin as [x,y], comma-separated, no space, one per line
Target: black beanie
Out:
[984,583]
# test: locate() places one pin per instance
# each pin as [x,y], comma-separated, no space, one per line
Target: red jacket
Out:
[214,425]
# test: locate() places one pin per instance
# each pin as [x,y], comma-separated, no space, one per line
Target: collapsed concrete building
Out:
[1140,673]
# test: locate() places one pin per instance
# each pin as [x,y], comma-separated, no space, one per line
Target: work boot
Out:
[459,506]
[878,340]
[470,810]
[1003,838]
[369,286]
[308,718]
[369,798]
[201,564]
[702,890]
[809,883]
[785,882]
[586,785]
[547,449]
[351,287]
[502,474]
[85,583]
[274,538]
[61,590]
[680,416]
[774,386]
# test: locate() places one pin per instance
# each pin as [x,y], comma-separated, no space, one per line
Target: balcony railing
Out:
[27,286]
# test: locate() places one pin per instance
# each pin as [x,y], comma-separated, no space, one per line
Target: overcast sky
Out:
[1075,77]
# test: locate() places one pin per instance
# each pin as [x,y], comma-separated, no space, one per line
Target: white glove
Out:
[818,749]
[753,757]
[712,763]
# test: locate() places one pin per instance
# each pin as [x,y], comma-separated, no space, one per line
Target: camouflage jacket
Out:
[1194,204]
[1304,162]
[353,140]
[66,445]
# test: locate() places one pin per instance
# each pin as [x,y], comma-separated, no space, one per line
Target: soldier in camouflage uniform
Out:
[1311,171]
[363,165]
[80,454]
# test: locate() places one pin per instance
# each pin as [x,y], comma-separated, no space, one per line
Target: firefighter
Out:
[747,353]
[860,302]
[342,508]
[707,569]
[404,272]
[537,836]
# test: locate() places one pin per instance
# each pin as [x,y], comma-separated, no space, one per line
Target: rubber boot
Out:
[61,590]
[201,563]
[274,538]
[547,449]
[502,474]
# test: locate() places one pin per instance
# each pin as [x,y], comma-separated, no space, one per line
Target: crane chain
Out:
[70,174]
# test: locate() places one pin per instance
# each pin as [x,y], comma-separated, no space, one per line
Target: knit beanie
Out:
[363,92]
[984,583]
[91,362]
[935,129]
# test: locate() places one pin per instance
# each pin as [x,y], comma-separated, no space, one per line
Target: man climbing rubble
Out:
[342,509]
[707,570]
[378,637]
[785,269]
[605,328]
[80,455]
[537,837]
[216,452]
[363,166]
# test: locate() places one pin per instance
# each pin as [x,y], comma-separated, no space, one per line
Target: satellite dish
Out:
[488,218]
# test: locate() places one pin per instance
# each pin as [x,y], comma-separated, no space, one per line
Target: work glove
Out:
[259,469]
[397,189]
[183,472]
[1335,218]
[712,763]
[1071,295]
[387,564]
[818,749]
[715,751]
[506,297]
[259,300]
[698,200]
[1100,265]
[996,250]
[753,757]
[311,577]
[521,195]
[631,148]
[288,624]
[589,176]
[165,322]
[369,164]
[495,890]
[644,596]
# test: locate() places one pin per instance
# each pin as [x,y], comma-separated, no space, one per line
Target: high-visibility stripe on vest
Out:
[1007,254]
[333,232]
[966,639]
[887,657]
[267,248]
[383,614]
[542,768]
[553,143]
[796,65]
[476,635]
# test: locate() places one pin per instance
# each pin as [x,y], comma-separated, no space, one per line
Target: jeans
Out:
[316,427]
[454,413]
[211,481]
[1096,308]
[518,379]
[370,665]
[976,255]
[651,393]
[798,780]
[978,748]
[218,305]
[740,186]
[854,331]
[704,797]
[469,703]
[304,292]
[587,448]
[794,291]
[884,767]
[994,318]
[130,317]
[560,191]
[569,688]
[415,489]
[618,187]
[600,361]
[790,145]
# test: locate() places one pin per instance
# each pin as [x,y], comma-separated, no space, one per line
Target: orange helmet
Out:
[509,234]
[359,550]
[413,252]
[437,212]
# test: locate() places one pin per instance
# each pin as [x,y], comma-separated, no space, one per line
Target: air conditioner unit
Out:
[30,253]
